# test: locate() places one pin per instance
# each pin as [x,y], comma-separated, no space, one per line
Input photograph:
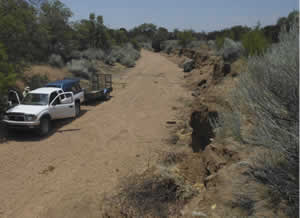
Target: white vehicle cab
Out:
[39,108]
[70,85]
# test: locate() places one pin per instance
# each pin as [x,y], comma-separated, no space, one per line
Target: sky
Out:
[200,15]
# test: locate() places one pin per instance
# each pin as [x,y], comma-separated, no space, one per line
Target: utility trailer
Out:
[100,87]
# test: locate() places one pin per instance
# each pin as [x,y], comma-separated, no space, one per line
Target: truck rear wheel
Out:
[45,126]
[77,109]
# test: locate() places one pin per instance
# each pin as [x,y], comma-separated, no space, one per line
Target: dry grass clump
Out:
[156,193]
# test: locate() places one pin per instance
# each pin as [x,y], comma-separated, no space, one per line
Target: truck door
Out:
[63,106]
[13,98]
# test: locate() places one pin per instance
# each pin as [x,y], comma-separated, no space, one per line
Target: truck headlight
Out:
[30,117]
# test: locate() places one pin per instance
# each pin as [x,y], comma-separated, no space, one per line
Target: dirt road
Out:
[64,174]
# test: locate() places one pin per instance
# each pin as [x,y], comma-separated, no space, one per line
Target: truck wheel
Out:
[77,109]
[45,126]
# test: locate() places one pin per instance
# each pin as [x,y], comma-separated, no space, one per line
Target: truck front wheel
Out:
[45,126]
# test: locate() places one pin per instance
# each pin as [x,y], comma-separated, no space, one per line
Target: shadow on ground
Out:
[32,135]
[97,102]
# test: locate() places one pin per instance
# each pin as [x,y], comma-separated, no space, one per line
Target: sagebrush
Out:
[268,93]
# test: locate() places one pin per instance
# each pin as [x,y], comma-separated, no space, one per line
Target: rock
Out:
[188,65]
[232,50]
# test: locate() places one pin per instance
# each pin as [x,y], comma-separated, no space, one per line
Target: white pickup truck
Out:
[40,107]
[69,85]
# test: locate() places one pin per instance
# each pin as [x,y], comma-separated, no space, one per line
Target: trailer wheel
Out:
[106,96]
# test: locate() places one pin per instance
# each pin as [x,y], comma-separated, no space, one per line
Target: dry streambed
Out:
[67,173]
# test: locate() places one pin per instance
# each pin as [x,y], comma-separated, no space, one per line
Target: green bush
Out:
[93,54]
[220,41]
[169,46]
[135,44]
[197,44]
[185,37]
[126,55]
[7,76]
[255,42]
[220,38]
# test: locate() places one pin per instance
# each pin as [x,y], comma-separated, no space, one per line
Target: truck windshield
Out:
[35,99]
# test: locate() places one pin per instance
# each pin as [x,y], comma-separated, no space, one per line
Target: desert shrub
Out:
[160,194]
[212,44]
[93,54]
[36,81]
[270,91]
[255,42]
[220,41]
[82,68]
[126,55]
[135,44]
[185,37]
[220,38]
[231,50]
[135,54]
[56,60]
[110,60]
[146,45]
[74,55]
[169,46]
[127,61]
[197,44]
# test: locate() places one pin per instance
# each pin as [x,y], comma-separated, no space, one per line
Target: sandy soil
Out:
[64,174]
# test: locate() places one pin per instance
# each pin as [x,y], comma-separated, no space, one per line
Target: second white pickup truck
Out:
[40,107]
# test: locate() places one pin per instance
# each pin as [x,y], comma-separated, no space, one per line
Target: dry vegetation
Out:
[251,115]
[268,95]
[158,192]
